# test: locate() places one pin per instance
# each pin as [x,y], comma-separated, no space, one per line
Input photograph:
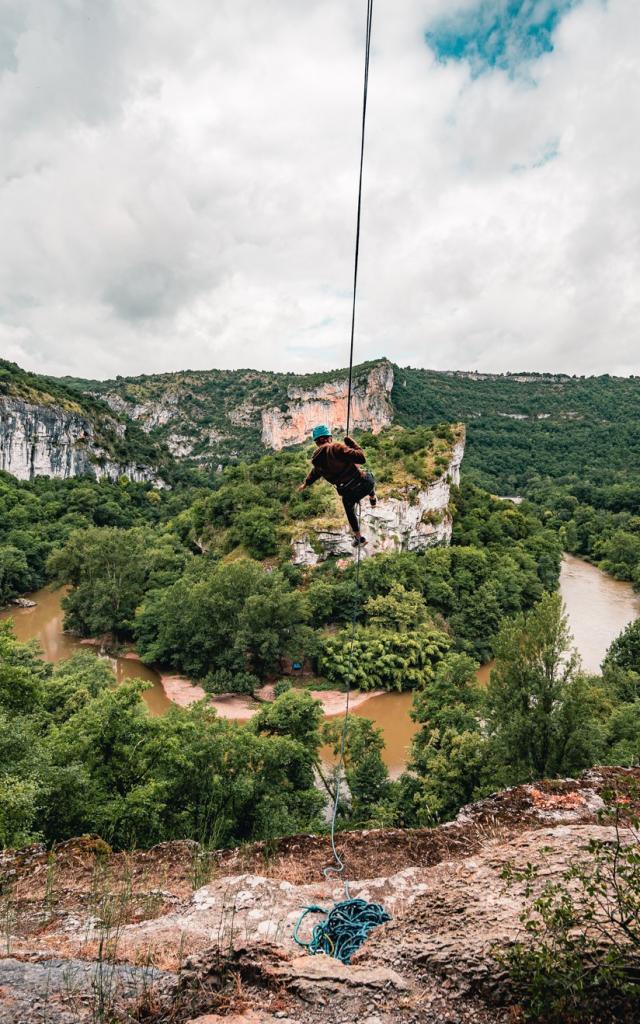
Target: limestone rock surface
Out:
[370,409]
[180,947]
[49,440]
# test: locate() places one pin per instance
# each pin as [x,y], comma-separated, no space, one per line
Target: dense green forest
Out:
[78,754]
[197,576]
[38,518]
[574,453]
[523,428]
[211,590]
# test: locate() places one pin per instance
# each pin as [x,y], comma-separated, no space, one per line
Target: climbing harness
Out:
[347,924]
[345,928]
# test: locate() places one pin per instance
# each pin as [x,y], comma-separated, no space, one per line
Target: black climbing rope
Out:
[338,866]
[367,51]
[348,923]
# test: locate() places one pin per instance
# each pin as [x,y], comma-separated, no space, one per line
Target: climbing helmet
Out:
[320,431]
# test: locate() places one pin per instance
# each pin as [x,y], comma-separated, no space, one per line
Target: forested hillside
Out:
[569,444]
[523,427]
[208,416]
[520,427]
[426,621]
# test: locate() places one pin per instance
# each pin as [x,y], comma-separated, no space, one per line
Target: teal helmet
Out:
[320,431]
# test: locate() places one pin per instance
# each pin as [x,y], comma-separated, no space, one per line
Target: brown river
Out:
[598,607]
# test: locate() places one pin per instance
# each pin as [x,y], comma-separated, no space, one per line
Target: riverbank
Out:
[183,692]
[599,608]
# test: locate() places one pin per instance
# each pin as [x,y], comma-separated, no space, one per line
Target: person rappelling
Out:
[339,464]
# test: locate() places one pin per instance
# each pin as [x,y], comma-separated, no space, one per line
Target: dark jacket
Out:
[336,462]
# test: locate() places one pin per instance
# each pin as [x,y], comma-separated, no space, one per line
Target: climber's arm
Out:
[352,450]
[310,479]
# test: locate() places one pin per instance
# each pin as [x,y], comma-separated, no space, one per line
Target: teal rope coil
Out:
[345,928]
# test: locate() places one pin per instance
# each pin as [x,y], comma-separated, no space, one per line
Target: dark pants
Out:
[352,493]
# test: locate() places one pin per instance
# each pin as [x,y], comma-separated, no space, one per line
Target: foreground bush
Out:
[581,962]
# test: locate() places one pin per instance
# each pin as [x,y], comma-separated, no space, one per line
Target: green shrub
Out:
[581,961]
[383,659]
[282,686]
[225,681]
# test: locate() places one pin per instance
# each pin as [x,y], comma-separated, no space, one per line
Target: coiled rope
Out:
[345,928]
[347,925]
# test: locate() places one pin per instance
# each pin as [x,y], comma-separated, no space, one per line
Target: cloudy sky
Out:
[178,184]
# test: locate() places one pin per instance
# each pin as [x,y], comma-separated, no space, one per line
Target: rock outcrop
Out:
[371,408]
[176,934]
[149,415]
[50,440]
[418,521]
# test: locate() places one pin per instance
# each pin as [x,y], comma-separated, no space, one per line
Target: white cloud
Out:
[177,189]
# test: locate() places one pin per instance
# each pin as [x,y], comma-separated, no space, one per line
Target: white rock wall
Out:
[147,414]
[47,440]
[393,525]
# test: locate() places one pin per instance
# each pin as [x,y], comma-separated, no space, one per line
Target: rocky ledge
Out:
[175,934]
[416,522]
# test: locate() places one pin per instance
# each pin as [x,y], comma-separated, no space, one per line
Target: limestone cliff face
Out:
[49,440]
[370,408]
[415,523]
[148,414]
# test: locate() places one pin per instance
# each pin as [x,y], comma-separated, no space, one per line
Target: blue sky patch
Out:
[498,33]
[546,155]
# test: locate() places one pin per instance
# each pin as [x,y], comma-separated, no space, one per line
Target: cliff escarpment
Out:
[208,418]
[211,417]
[49,440]
[371,408]
[178,934]
[411,514]
[46,429]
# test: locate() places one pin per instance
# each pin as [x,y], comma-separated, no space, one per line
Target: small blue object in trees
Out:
[296,666]
[345,928]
